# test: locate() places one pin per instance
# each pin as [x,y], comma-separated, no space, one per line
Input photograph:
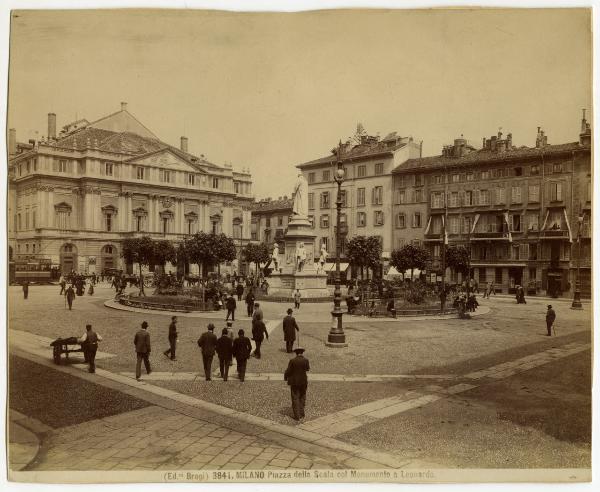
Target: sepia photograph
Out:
[345,245]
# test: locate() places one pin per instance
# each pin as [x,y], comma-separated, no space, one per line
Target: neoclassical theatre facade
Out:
[73,197]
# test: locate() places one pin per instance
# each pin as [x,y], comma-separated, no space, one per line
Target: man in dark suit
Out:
[224,351]
[172,339]
[239,290]
[249,301]
[550,317]
[290,327]
[259,332]
[142,349]
[295,375]
[241,351]
[230,304]
[208,343]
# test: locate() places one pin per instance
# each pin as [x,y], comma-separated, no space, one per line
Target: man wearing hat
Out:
[241,351]
[208,343]
[550,317]
[290,327]
[142,349]
[224,349]
[295,375]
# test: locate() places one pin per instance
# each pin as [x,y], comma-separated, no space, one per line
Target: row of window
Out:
[503,172]
[325,198]
[483,197]
[361,172]
[108,169]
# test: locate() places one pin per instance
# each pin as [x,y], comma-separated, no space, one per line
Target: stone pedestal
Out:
[283,283]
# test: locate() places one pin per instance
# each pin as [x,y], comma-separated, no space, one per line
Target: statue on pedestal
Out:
[300,257]
[275,257]
[323,258]
[300,205]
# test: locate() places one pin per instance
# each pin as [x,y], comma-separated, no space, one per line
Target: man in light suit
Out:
[142,349]
[295,375]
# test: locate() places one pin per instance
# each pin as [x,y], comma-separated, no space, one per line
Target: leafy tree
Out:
[457,258]
[223,250]
[210,249]
[164,250]
[364,251]
[140,251]
[256,253]
[409,257]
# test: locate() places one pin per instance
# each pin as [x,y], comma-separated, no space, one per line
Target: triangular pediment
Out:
[165,159]
[123,121]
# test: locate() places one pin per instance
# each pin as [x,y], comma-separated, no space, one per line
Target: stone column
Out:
[86,217]
[182,217]
[128,212]
[207,227]
[50,207]
[41,206]
[121,212]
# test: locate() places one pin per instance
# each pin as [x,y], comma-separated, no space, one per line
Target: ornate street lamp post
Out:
[336,336]
[576,304]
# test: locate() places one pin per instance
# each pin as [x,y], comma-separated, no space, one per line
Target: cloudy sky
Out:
[269,91]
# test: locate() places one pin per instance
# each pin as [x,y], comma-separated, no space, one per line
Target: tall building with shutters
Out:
[518,210]
[73,196]
[366,190]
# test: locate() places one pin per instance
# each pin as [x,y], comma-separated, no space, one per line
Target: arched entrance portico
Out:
[68,258]
[108,257]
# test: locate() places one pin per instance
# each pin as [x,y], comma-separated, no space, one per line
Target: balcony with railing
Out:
[490,232]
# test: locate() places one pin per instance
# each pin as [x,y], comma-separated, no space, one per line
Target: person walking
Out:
[89,343]
[550,317]
[239,290]
[241,351]
[172,339]
[295,375]
[208,343]
[70,295]
[91,289]
[290,327]
[224,351]
[230,304]
[25,289]
[250,301]
[63,285]
[297,297]
[231,337]
[142,350]
[257,314]
[259,332]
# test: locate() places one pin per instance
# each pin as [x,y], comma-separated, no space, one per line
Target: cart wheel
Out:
[56,354]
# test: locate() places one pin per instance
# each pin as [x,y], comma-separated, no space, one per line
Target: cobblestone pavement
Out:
[419,365]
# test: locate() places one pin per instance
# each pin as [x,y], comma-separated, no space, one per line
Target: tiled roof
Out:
[125,143]
[264,206]
[359,152]
[484,156]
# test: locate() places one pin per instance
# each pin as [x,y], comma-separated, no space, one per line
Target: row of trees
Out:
[202,249]
[364,252]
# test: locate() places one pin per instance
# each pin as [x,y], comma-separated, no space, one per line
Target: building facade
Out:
[520,211]
[74,196]
[366,190]
[270,219]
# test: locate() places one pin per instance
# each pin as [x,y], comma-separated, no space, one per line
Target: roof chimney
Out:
[583,122]
[183,145]
[123,106]
[51,126]
[12,142]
